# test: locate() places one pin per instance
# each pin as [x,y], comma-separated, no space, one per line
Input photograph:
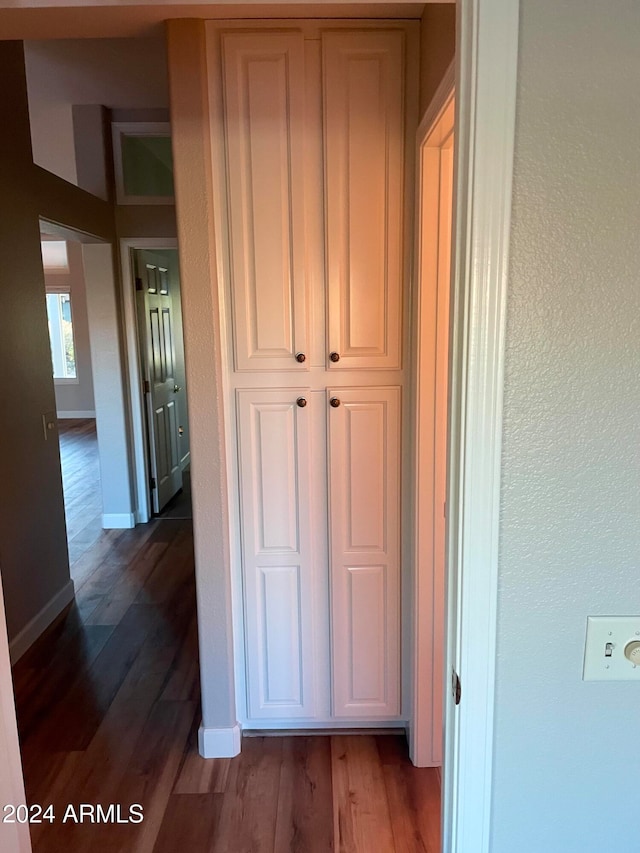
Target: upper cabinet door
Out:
[363,89]
[263,88]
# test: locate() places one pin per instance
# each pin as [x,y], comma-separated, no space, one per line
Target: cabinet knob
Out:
[302,402]
[334,356]
[335,402]
[300,357]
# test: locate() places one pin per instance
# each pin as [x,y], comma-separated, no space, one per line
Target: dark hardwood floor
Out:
[108,711]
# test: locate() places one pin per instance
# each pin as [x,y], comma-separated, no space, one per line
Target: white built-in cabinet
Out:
[309,131]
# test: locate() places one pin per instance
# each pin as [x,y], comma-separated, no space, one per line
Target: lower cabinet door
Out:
[364,523]
[274,433]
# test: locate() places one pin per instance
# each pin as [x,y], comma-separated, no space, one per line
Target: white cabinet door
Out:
[277,554]
[312,122]
[364,493]
[263,78]
[363,87]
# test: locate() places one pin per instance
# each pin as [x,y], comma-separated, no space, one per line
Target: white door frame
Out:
[132,343]
[425,731]
[14,837]
[486,73]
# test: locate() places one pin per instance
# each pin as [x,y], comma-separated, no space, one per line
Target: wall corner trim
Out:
[486,78]
[41,621]
[219,743]
[118,520]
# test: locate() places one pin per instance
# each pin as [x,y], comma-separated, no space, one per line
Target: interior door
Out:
[157,345]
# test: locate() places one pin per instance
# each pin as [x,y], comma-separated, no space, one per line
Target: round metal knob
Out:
[334,356]
[177,389]
[335,402]
[300,357]
[301,401]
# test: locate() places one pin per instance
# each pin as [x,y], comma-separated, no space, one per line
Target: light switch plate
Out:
[604,654]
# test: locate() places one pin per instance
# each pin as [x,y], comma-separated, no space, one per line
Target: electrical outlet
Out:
[612,649]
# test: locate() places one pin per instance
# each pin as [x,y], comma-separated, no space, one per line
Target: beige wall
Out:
[437,48]
[33,548]
[566,753]
[125,73]
[198,276]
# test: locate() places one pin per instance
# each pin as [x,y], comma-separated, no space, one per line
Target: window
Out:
[63,354]
[143,162]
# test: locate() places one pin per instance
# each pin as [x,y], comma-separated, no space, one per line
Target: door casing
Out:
[432,281]
[486,76]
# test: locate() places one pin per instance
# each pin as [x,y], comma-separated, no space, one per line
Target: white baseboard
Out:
[186,459]
[118,520]
[40,622]
[75,415]
[219,743]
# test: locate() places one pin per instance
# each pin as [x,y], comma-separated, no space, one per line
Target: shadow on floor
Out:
[179,507]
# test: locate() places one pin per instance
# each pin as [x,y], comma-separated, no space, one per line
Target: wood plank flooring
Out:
[108,710]
[81,485]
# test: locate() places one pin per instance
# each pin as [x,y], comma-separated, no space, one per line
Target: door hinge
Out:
[146,386]
[456,687]
[152,482]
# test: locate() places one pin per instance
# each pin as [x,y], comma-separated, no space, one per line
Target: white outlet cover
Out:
[619,631]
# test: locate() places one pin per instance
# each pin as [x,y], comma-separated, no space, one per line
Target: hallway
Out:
[108,709]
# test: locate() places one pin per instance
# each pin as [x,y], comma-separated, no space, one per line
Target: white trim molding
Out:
[219,743]
[118,520]
[487,53]
[438,103]
[430,310]
[14,837]
[41,621]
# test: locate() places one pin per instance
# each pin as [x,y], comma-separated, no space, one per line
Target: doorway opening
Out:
[90,419]
[68,324]
[157,378]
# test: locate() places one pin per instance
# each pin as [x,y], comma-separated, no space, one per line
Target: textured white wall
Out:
[567,752]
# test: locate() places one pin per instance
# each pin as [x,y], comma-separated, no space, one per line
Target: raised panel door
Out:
[278,559]
[263,78]
[364,523]
[155,322]
[363,96]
